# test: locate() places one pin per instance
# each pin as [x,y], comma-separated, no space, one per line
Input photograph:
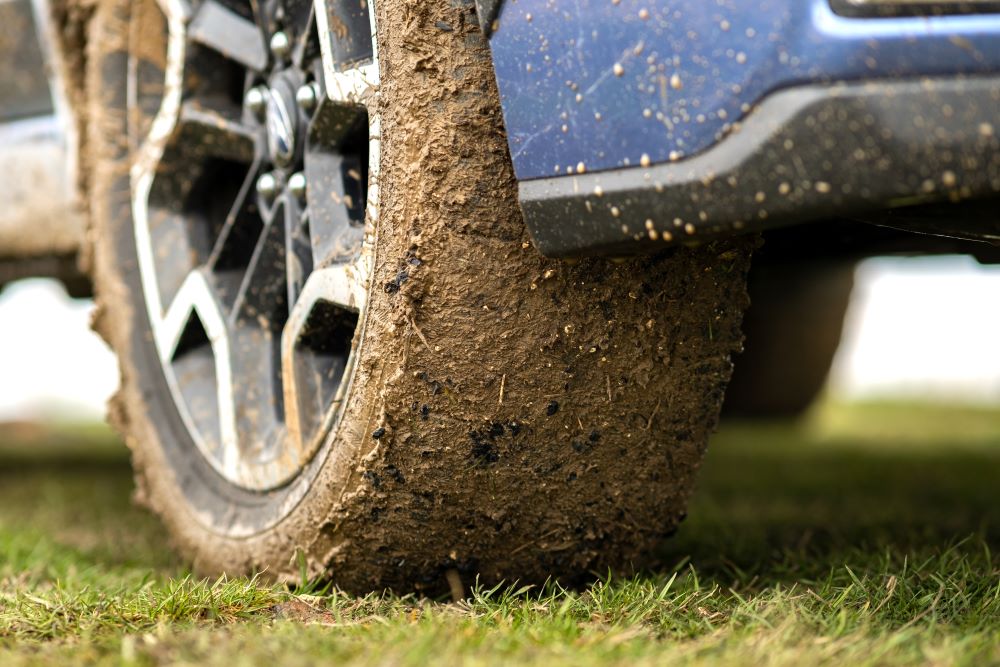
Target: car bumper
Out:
[804,153]
[38,216]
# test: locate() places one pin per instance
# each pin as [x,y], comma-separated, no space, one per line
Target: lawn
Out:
[864,535]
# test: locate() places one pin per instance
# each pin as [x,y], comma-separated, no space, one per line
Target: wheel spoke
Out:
[316,347]
[353,86]
[221,29]
[336,206]
[298,21]
[215,132]
[298,249]
[196,301]
[257,398]
[255,321]
[195,295]
[236,241]
[202,168]
[263,295]
[242,206]
[346,34]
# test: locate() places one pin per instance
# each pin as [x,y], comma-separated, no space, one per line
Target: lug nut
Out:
[267,186]
[297,184]
[307,95]
[256,99]
[280,44]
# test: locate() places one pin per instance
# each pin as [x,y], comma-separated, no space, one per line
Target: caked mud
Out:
[512,417]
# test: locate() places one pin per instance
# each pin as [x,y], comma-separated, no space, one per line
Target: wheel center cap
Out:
[280,126]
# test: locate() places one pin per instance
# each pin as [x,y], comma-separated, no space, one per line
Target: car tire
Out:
[793,329]
[508,417]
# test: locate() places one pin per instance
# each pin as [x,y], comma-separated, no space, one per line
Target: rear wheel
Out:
[793,329]
[337,345]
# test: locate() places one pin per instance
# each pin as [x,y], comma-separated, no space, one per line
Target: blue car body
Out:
[627,86]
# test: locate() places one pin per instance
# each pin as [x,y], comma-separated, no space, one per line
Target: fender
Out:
[639,122]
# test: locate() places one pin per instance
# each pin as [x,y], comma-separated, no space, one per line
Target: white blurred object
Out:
[923,328]
[51,364]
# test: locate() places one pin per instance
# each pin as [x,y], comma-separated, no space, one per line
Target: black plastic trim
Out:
[803,154]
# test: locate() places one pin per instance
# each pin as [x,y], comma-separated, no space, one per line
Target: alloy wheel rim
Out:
[254,204]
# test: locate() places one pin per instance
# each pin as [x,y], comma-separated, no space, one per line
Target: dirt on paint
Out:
[512,417]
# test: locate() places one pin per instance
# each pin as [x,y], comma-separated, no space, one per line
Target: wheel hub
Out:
[282,120]
[254,219]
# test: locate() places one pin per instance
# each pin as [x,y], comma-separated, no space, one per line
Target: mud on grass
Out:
[861,537]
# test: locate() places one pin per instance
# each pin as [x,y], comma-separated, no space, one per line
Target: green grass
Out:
[865,535]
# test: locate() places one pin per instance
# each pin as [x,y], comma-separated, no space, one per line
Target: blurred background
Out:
[916,330]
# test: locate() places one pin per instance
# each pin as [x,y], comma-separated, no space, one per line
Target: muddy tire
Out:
[508,417]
